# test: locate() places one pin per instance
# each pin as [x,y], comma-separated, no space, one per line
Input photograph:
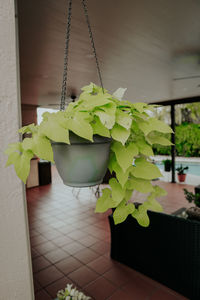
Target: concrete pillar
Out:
[15,262]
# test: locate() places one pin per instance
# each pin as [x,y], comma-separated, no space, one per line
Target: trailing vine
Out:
[133,132]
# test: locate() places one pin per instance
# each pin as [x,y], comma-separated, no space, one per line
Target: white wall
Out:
[15,266]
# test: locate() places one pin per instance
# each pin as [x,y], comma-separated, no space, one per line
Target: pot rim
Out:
[77,140]
[83,144]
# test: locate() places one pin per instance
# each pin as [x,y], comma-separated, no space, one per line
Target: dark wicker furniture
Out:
[167,251]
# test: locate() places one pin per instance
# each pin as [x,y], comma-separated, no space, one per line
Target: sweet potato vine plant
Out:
[133,132]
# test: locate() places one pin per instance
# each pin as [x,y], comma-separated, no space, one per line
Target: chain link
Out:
[64,83]
[92,41]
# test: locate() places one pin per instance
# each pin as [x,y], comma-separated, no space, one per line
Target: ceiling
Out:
[150,47]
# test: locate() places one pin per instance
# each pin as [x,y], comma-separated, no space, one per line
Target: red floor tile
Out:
[70,243]
[101,289]
[101,247]
[86,255]
[158,295]
[37,286]
[48,276]
[34,253]
[88,240]
[101,264]
[42,295]
[117,275]
[83,276]
[40,263]
[38,239]
[62,240]
[56,255]
[120,295]
[68,265]
[138,289]
[60,284]
[45,247]
[77,234]
[73,247]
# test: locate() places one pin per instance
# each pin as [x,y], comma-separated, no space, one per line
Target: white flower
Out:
[69,287]
[71,294]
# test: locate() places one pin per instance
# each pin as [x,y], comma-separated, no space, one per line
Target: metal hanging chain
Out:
[64,83]
[92,41]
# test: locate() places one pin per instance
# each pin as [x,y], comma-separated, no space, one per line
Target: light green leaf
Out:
[160,126]
[124,154]
[139,106]
[12,157]
[144,126]
[107,120]
[21,163]
[81,127]
[22,166]
[152,204]
[99,128]
[46,115]
[154,125]
[13,147]
[123,119]
[120,174]
[119,93]
[111,162]
[94,101]
[120,134]
[27,144]
[42,148]
[118,192]
[54,131]
[141,216]
[144,148]
[128,195]
[145,169]
[140,116]
[107,115]
[140,185]
[104,202]
[92,89]
[155,139]
[159,191]
[31,128]
[122,211]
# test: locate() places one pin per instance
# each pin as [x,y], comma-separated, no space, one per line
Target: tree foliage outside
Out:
[187,141]
[184,113]
[187,118]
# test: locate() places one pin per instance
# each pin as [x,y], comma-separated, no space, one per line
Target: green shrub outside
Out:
[187,141]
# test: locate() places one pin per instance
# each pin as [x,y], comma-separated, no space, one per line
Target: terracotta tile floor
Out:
[71,244]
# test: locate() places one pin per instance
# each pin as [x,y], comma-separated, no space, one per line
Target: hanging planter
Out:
[82,163]
[97,131]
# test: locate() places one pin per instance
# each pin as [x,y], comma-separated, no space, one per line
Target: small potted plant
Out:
[167,165]
[181,174]
[192,198]
[98,131]
[193,212]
